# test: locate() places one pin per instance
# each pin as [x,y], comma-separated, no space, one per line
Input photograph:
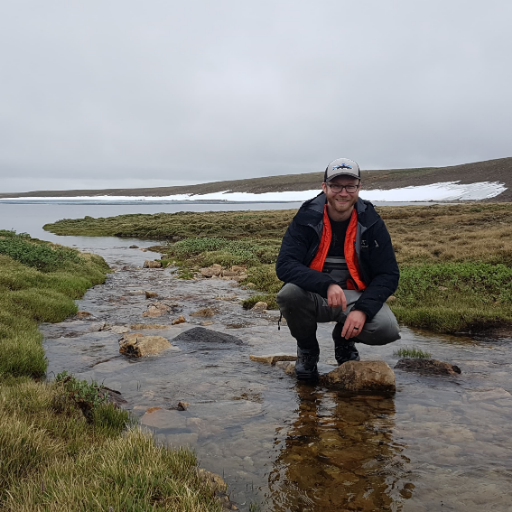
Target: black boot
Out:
[306,365]
[344,350]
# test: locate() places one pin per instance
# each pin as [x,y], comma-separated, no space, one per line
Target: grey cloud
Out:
[204,91]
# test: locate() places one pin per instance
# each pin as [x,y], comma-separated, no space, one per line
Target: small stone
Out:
[442,288]
[136,292]
[151,295]
[138,345]
[183,406]
[134,246]
[250,285]
[119,329]
[207,322]
[273,358]
[229,273]
[156,309]
[287,366]
[152,264]
[83,314]
[391,298]
[204,312]
[144,250]
[361,376]
[179,320]
[259,306]
[239,268]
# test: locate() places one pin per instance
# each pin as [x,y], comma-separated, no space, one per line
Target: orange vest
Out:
[354,282]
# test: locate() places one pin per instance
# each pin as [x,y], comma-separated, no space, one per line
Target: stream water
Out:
[439,443]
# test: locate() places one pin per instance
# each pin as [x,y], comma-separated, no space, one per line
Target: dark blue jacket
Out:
[376,257]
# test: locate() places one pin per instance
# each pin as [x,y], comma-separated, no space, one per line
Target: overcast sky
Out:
[123,93]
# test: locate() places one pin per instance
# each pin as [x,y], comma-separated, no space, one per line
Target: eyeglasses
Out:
[338,188]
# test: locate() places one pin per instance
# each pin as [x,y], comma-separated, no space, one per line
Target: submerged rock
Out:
[138,345]
[151,295]
[203,312]
[207,337]
[361,376]
[427,366]
[83,314]
[152,264]
[273,358]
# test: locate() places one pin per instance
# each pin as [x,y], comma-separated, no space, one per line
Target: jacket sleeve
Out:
[293,257]
[383,272]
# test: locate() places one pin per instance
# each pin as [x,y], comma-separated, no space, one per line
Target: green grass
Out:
[33,291]
[413,353]
[54,460]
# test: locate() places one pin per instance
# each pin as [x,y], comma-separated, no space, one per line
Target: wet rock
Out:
[138,327]
[260,306]
[152,409]
[151,295]
[427,367]
[136,292]
[120,329]
[152,264]
[143,250]
[180,320]
[273,358]
[138,345]
[163,418]
[183,406]
[113,397]
[204,312]
[134,246]
[210,272]
[361,376]
[156,309]
[218,487]
[82,314]
[287,366]
[207,337]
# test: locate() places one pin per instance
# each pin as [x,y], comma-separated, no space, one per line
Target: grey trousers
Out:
[303,310]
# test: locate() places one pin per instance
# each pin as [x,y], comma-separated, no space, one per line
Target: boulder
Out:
[152,264]
[273,358]
[427,366]
[138,345]
[361,376]
[260,306]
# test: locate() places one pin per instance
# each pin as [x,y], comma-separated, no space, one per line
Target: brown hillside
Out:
[492,170]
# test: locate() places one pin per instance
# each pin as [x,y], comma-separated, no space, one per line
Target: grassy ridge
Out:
[61,443]
[454,259]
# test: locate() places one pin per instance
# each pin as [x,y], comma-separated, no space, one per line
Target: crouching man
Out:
[338,264]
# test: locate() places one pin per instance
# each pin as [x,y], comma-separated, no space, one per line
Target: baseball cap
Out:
[342,167]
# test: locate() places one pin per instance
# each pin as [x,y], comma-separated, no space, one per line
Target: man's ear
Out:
[324,187]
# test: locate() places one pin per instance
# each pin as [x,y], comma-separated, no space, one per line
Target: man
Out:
[338,264]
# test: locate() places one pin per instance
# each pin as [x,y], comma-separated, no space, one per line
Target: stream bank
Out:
[284,445]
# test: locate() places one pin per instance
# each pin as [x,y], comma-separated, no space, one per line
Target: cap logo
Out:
[342,166]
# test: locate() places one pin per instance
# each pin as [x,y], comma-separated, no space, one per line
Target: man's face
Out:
[340,203]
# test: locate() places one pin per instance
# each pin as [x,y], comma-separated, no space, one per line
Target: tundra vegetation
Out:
[63,446]
[455,260]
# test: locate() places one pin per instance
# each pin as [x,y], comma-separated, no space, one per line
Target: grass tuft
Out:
[413,353]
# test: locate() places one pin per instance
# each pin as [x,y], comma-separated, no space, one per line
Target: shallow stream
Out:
[440,443]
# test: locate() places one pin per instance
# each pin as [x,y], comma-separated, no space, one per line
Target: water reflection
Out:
[339,454]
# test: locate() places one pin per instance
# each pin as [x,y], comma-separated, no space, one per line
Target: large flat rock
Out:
[361,376]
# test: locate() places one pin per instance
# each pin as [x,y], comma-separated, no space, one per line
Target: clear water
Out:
[440,443]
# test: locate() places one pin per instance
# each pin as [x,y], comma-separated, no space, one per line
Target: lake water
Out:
[438,444]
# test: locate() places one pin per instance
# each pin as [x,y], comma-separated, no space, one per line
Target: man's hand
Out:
[353,324]
[336,297]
